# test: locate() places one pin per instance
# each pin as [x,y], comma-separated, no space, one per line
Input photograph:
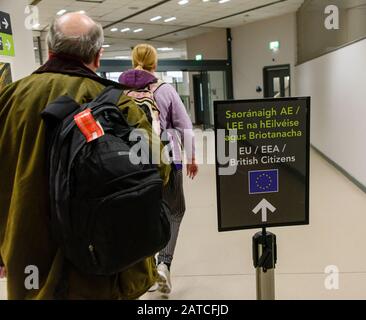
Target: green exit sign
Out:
[274,45]
[199,57]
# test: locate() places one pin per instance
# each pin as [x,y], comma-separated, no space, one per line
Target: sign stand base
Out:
[265,258]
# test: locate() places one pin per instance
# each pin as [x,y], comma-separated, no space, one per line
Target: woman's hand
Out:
[192,169]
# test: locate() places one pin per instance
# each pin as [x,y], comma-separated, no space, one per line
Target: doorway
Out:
[277,81]
[208,87]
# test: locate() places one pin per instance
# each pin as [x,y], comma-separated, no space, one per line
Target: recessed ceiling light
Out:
[224,1]
[183,2]
[82,12]
[61,12]
[114,29]
[205,0]
[138,30]
[170,19]
[106,45]
[165,49]
[156,18]
[35,48]
[125,29]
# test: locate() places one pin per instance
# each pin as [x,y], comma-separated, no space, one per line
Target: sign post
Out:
[265,258]
[262,173]
[6,35]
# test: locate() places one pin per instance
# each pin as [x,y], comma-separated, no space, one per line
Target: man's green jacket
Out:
[25,238]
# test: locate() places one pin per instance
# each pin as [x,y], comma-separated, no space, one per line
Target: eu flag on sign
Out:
[263,181]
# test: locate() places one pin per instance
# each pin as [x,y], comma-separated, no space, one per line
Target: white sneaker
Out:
[165,285]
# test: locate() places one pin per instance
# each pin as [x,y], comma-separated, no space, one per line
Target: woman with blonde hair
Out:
[173,118]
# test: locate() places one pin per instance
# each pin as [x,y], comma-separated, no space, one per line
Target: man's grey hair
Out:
[85,47]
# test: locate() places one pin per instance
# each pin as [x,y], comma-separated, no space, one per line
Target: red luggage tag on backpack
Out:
[88,126]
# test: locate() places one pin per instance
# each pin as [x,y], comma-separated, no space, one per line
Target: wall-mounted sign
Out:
[262,162]
[6,35]
[199,57]
[274,46]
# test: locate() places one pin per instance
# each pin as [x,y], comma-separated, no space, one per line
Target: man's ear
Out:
[97,58]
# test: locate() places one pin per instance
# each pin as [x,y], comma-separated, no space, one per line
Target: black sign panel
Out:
[262,162]
[5,23]
[1,44]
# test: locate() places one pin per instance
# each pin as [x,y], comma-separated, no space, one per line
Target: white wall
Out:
[337,84]
[23,63]
[217,90]
[251,52]
[211,45]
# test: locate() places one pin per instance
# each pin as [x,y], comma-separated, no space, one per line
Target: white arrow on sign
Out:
[8,44]
[5,23]
[263,206]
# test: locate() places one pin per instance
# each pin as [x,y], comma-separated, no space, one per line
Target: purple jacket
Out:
[173,114]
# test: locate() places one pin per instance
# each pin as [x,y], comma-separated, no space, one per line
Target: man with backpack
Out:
[36,267]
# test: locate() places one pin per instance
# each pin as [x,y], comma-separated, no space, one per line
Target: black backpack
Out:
[106,212]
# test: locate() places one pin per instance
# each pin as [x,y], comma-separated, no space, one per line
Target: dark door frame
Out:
[108,65]
[198,99]
[201,99]
[274,68]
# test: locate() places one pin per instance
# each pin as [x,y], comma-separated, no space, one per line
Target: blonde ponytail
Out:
[144,57]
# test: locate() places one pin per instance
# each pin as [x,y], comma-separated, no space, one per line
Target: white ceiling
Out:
[192,14]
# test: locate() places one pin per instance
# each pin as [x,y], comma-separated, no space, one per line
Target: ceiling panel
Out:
[148,30]
[182,35]
[259,14]
[125,8]
[196,12]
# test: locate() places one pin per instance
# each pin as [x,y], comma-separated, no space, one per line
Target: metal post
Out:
[40,50]
[229,72]
[265,258]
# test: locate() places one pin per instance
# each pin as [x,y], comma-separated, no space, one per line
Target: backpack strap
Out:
[153,87]
[53,115]
[110,95]
[59,109]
